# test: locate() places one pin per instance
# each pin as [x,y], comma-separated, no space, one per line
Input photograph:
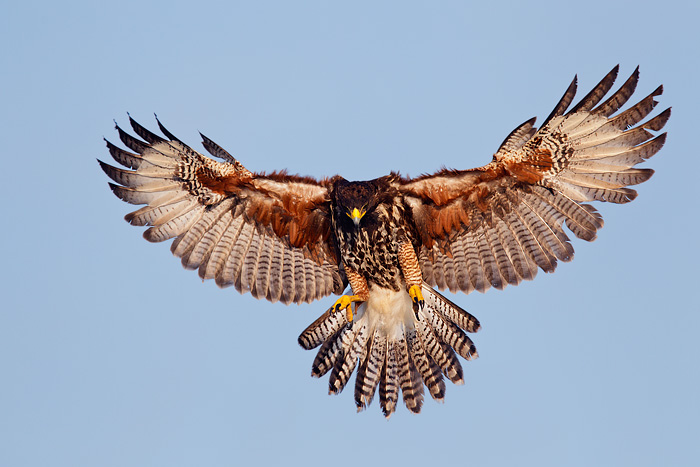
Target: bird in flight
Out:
[393,239]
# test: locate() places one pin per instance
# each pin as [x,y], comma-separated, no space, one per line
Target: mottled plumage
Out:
[296,239]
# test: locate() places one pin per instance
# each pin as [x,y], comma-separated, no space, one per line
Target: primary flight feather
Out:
[393,239]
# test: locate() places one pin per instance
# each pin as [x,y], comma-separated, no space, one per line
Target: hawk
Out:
[393,239]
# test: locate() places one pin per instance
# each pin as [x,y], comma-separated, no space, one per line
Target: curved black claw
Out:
[416,296]
[416,310]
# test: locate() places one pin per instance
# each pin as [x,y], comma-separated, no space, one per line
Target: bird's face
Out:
[354,203]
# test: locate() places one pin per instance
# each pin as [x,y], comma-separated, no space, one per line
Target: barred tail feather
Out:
[370,371]
[389,382]
[428,369]
[393,349]
[345,365]
[319,331]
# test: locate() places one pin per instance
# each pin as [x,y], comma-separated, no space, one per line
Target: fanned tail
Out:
[393,348]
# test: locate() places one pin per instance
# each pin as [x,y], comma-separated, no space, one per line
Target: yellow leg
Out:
[345,302]
[416,295]
[360,290]
[412,273]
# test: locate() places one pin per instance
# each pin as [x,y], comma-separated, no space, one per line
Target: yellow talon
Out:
[345,302]
[416,295]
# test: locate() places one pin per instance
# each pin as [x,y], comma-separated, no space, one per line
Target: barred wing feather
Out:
[264,234]
[499,224]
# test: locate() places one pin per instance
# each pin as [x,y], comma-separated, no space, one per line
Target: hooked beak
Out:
[356,215]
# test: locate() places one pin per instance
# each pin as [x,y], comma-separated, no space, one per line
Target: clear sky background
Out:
[111,354]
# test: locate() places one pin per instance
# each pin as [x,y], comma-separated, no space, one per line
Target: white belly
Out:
[387,311]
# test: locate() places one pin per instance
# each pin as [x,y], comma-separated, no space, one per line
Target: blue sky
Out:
[111,354]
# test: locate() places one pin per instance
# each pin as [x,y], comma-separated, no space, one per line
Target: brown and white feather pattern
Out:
[290,238]
[499,224]
[397,349]
[266,235]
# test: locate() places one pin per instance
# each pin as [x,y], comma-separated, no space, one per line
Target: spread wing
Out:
[498,224]
[264,234]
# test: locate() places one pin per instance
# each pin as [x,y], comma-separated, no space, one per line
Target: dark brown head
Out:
[355,204]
